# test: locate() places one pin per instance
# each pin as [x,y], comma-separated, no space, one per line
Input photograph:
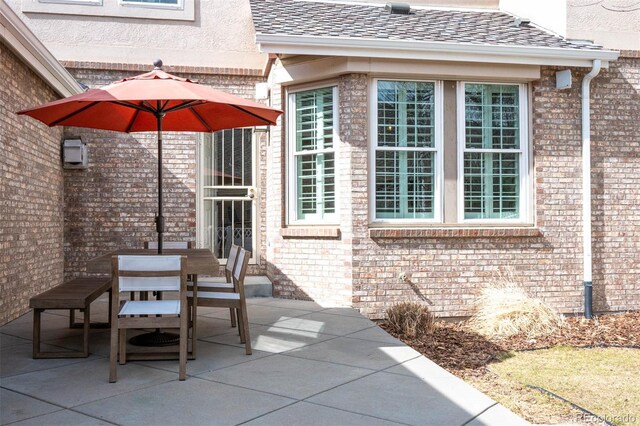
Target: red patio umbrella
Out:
[155,101]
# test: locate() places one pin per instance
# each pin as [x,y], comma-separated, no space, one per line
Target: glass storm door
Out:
[227,182]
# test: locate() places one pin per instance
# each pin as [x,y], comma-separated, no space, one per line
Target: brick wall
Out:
[113,203]
[31,223]
[446,268]
[615,139]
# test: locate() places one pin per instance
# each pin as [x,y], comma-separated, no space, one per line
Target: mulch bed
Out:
[456,348]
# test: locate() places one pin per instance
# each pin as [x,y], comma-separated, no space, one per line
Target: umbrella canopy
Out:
[133,105]
[155,101]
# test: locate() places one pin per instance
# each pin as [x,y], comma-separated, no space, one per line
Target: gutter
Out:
[19,38]
[431,50]
[586,190]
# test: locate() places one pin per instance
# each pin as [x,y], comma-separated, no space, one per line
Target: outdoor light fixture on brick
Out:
[74,154]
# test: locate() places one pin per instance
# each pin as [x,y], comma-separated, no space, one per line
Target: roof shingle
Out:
[367,21]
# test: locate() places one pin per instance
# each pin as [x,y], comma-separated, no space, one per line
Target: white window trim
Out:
[133,3]
[80,2]
[292,186]
[439,142]
[526,216]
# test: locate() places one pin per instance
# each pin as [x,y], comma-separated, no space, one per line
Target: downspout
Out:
[586,190]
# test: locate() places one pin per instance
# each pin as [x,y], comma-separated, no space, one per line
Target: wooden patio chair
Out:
[147,273]
[221,284]
[233,300]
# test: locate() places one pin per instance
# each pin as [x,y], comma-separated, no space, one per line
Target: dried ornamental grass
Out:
[410,319]
[504,309]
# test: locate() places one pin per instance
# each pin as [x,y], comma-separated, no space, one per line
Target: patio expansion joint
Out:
[291,352]
[295,400]
[480,413]
[323,333]
[62,407]
[73,362]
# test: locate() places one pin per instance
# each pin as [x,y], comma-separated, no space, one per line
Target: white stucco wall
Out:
[220,35]
[548,14]
[612,23]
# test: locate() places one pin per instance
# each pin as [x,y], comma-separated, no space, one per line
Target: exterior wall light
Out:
[74,153]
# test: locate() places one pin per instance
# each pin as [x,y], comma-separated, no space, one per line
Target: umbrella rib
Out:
[84,108]
[133,120]
[250,113]
[188,104]
[199,117]
[134,106]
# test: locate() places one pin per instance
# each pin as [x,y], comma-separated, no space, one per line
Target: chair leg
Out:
[232,314]
[194,328]
[110,309]
[240,327]
[123,345]
[242,312]
[113,352]
[184,333]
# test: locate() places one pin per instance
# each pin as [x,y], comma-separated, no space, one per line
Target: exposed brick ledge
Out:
[113,66]
[311,232]
[630,53]
[454,232]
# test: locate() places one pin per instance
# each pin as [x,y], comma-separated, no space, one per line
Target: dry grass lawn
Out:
[604,381]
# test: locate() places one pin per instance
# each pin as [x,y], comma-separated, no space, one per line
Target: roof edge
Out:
[19,38]
[445,51]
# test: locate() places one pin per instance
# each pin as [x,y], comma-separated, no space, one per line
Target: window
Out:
[492,153]
[178,10]
[406,150]
[312,136]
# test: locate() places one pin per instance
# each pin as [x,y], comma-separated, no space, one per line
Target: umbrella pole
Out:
[160,217]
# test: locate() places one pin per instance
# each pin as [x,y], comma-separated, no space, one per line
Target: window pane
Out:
[405,184]
[491,185]
[406,114]
[420,184]
[314,119]
[387,184]
[306,184]
[492,116]
[329,183]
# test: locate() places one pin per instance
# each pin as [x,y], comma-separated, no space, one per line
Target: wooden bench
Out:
[75,294]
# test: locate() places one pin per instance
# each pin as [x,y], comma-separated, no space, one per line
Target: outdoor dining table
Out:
[199,262]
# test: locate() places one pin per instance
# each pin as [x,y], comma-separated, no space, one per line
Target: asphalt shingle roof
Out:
[366,21]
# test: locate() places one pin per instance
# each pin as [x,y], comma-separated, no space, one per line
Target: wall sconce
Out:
[74,153]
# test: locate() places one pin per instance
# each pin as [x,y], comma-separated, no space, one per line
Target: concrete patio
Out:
[310,365]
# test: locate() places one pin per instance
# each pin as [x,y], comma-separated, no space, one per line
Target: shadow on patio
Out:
[310,365]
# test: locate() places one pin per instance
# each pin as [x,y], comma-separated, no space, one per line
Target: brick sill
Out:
[511,232]
[316,232]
